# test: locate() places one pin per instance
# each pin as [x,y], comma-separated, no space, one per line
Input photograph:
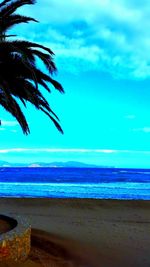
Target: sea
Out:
[96,183]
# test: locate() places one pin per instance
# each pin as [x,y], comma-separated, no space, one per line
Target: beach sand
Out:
[106,233]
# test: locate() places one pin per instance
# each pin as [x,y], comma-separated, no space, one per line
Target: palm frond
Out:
[53,120]
[42,76]
[47,60]
[7,24]
[29,93]
[57,85]
[19,76]
[7,10]
[9,103]
[6,36]
[19,44]
[4,3]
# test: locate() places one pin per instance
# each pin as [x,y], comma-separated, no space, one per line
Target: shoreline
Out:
[117,231]
[110,191]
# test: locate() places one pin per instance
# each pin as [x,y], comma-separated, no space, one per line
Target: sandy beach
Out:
[107,232]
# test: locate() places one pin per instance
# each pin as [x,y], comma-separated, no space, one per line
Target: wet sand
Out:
[109,232]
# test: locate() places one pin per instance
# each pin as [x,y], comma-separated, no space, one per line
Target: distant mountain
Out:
[8,164]
[68,164]
[4,164]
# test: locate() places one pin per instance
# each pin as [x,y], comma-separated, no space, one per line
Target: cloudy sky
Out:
[102,52]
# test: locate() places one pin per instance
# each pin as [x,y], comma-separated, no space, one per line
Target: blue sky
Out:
[102,52]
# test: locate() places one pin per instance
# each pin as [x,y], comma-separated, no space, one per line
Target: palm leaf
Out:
[12,20]
[9,103]
[4,3]
[20,44]
[46,58]
[7,10]
[19,76]
[54,121]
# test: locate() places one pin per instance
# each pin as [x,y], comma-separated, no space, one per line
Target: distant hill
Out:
[8,164]
[4,164]
[68,164]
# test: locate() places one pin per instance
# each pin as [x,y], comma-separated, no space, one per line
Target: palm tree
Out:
[19,75]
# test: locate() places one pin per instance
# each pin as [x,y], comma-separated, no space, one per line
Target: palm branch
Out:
[19,75]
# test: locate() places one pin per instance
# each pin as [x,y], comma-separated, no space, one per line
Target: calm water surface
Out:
[75,183]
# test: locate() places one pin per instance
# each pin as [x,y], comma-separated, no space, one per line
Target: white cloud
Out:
[55,150]
[14,131]
[114,37]
[50,10]
[71,151]
[9,123]
[107,151]
[130,117]
[144,130]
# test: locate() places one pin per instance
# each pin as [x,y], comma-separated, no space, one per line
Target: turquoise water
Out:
[65,190]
